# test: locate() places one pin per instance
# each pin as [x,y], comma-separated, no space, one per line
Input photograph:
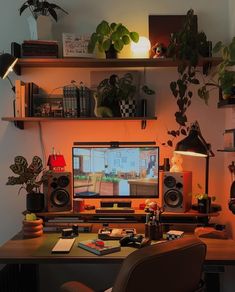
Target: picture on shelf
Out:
[48,106]
[76,45]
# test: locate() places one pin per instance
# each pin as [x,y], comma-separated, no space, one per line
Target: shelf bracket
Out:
[143,124]
[19,125]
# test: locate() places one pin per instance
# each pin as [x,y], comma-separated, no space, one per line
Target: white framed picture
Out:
[76,45]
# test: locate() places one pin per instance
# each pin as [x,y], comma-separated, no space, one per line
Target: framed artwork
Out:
[162,26]
[76,45]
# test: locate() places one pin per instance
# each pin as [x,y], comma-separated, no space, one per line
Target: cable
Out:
[42,144]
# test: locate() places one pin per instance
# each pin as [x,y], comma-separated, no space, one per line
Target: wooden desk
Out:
[20,250]
[26,255]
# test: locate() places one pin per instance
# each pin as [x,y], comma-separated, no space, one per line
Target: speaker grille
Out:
[60,198]
[173,198]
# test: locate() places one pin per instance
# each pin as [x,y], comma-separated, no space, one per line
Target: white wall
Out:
[84,16]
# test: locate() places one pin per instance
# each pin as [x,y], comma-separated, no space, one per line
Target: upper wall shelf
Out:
[227,103]
[106,63]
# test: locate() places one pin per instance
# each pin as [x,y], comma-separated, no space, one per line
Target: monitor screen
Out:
[125,172]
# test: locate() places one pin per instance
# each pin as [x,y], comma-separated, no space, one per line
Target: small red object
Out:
[99,243]
[142,206]
[56,162]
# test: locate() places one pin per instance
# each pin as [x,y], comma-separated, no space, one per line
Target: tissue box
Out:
[174,234]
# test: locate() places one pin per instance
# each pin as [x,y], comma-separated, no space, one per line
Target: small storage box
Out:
[174,234]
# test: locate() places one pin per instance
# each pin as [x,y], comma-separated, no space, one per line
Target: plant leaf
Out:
[134,36]
[53,13]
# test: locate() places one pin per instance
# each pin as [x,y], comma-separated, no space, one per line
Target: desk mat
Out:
[51,239]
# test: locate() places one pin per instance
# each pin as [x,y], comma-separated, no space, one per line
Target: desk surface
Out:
[20,250]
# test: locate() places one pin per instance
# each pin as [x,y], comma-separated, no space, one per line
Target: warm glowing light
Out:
[141,49]
[190,153]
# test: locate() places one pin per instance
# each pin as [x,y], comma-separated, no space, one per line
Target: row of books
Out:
[24,94]
[38,48]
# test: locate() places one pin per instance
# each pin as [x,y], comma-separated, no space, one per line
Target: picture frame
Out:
[76,45]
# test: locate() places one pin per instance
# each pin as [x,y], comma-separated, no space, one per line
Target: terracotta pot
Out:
[32,228]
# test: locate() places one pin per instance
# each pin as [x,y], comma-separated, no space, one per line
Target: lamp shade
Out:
[194,144]
[7,62]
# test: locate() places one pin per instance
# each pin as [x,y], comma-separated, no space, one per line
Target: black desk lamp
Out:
[7,63]
[195,145]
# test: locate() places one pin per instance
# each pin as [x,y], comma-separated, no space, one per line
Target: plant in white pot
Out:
[28,179]
[39,20]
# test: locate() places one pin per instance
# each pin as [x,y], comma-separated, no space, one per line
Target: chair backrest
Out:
[172,266]
[95,180]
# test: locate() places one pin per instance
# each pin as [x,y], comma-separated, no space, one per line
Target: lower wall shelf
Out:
[19,122]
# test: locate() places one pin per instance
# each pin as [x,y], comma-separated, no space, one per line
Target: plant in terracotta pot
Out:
[111,38]
[28,179]
[32,226]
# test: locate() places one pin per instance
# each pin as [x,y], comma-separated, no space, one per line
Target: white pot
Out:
[40,28]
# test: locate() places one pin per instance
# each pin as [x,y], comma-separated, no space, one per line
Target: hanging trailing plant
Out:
[186,46]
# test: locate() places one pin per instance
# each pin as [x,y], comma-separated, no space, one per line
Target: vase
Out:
[34,202]
[111,53]
[40,28]
[32,228]
[204,205]
[128,108]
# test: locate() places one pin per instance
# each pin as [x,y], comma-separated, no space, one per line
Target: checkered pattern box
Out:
[174,234]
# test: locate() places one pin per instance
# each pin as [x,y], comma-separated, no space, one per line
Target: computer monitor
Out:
[122,172]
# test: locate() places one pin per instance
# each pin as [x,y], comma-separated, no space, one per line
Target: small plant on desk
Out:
[204,201]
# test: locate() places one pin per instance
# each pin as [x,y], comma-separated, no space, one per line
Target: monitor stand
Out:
[115,206]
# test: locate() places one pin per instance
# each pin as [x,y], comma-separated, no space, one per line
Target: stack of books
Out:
[24,95]
[70,101]
[40,49]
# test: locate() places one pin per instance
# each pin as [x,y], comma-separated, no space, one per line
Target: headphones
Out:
[231,203]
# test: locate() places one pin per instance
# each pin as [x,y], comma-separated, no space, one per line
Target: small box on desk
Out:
[115,203]
[174,234]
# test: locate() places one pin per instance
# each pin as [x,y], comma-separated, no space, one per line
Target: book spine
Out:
[18,108]
[23,109]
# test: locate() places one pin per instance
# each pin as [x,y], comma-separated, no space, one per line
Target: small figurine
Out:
[159,50]
[176,161]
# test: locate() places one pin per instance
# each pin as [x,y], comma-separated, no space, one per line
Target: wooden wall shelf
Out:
[106,63]
[19,122]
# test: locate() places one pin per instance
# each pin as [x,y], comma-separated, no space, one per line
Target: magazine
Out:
[99,247]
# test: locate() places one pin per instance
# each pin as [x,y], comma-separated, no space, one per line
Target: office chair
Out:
[93,186]
[172,266]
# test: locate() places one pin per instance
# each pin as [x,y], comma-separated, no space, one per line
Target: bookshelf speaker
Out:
[176,191]
[57,189]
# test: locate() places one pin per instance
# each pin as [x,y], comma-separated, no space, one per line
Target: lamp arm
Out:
[12,86]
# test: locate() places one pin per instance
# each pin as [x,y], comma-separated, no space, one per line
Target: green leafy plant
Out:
[201,195]
[27,174]
[186,46]
[223,78]
[113,89]
[115,34]
[38,7]
[110,179]
[30,217]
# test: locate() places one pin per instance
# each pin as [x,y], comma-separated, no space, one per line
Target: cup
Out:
[78,205]
[153,231]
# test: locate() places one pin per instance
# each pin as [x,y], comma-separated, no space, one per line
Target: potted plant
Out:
[32,226]
[111,38]
[117,93]
[224,74]
[203,201]
[186,46]
[39,22]
[28,179]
